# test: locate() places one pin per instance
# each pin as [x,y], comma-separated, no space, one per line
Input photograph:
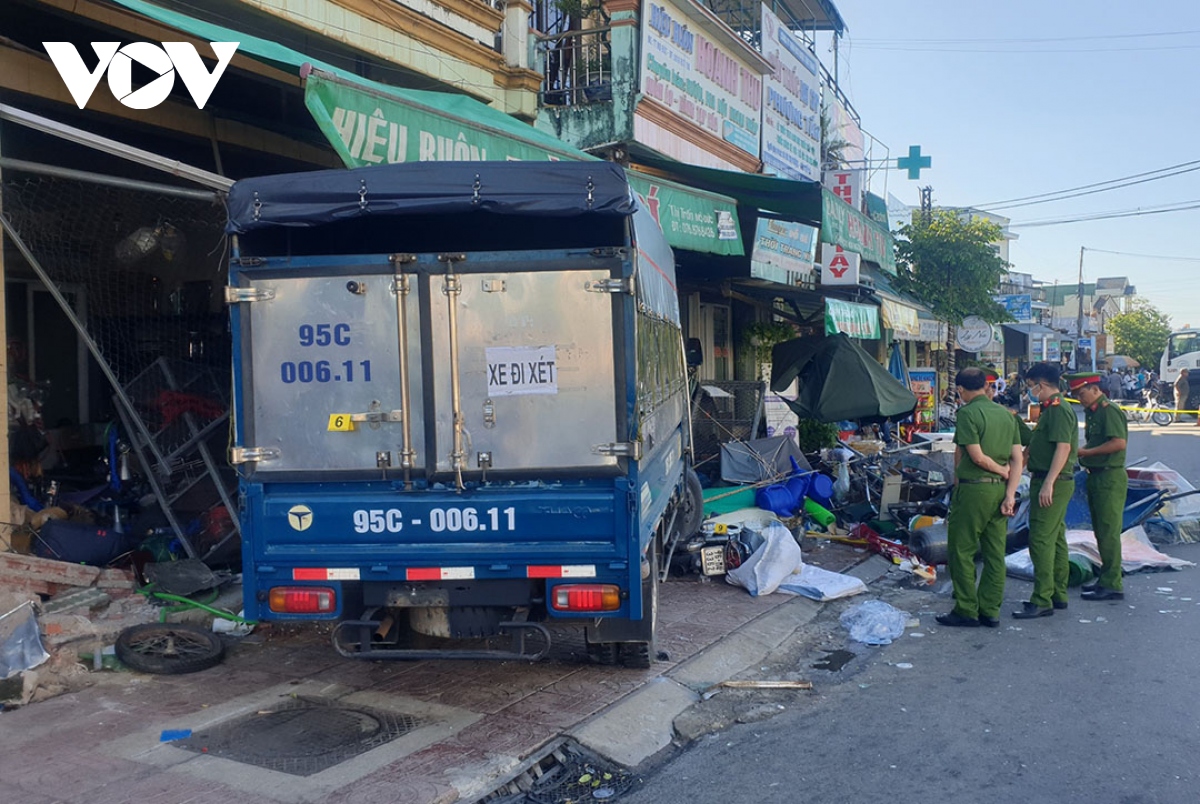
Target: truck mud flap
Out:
[346,644]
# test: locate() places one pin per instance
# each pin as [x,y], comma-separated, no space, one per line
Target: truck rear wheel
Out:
[640,655]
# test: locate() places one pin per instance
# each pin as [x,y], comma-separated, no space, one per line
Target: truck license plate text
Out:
[441,520]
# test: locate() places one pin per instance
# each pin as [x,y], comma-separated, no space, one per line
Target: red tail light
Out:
[303,599]
[587,597]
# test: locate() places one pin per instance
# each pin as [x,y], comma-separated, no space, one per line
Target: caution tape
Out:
[1135,407]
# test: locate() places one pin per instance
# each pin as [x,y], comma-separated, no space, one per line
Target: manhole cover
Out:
[301,736]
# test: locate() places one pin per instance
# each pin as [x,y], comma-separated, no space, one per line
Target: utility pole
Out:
[1079,320]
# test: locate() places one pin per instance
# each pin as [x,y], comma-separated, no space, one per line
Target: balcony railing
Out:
[576,67]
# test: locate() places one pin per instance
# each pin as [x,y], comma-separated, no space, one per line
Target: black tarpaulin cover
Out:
[552,189]
[837,380]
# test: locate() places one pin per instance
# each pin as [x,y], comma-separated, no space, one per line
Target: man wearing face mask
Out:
[1103,456]
[1052,452]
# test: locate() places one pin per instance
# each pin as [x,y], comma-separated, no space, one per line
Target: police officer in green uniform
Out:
[1051,458]
[987,471]
[1103,456]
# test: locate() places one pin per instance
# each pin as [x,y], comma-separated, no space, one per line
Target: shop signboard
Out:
[923,380]
[935,333]
[701,80]
[856,320]
[974,334]
[783,251]
[691,219]
[901,319]
[839,267]
[846,185]
[843,225]
[1018,305]
[791,104]
[369,128]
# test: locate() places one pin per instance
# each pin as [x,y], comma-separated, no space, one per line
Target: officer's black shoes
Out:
[956,620]
[990,622]
[1090,586]
[1060,604]
[1029,612]
[1100,593]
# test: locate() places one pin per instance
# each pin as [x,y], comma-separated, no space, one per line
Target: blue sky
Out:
[1008,119]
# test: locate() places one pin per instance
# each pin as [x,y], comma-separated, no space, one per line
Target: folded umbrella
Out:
[837,379]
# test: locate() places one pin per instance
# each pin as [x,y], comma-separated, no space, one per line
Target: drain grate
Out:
[566,773]
[302,735]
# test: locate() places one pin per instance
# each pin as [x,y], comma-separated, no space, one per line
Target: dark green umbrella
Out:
[837,380]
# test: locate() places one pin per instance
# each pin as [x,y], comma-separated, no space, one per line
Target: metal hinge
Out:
[401,259]
[250,262]
[622,449]
[238,295]
[238,455]
[610,286]
[618,252]
[378,416]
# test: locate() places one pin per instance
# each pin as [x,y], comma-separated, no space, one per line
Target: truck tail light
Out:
[303,599]
[587,597]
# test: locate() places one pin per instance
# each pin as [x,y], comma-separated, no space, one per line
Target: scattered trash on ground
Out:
[874,622]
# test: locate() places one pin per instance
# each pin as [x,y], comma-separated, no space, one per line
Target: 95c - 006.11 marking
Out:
[324,371]
[448,520]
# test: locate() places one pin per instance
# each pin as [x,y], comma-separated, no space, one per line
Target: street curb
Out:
[642,723]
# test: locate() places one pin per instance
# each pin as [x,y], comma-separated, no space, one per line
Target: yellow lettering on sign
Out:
[340,423]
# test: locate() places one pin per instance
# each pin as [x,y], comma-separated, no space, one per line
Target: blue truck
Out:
[460,407]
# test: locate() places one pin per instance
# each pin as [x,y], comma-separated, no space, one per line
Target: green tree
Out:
[950,264]
[1140,332]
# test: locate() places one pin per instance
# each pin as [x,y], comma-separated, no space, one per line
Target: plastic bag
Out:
[841,486]
[777,558]
[20,644]
[874,622]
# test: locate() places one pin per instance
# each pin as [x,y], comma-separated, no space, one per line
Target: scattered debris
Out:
[874,622]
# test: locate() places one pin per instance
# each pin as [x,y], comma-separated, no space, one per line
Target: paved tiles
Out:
[101,744]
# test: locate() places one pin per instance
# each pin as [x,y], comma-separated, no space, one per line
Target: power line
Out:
[1016,51]
[1145,256]
[1039,39]
[1182,206]
[1182,167]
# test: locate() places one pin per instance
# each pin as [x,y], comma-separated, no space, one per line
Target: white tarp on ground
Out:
[821,584]
[1136,553]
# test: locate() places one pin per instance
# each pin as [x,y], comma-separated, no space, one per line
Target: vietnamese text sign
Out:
[691,219]
[838,266]
[368,129]
[783,251]
[1018,305]
[856,320]
[791,141]
[514,370]
[843,225]
[901,319]
[697,78]
[846,185]
[974,334]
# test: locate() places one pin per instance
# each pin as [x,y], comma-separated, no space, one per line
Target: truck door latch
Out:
[621,449]
[610,286]
[239,455]
[237,295]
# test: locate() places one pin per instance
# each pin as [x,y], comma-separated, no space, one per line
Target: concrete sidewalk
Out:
[476,723]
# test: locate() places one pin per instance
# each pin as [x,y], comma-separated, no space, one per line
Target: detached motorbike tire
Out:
[169,648]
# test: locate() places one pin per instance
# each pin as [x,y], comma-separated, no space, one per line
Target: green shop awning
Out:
[843,225]
[426,123]
[691,219]
[789,199]
[856,320]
